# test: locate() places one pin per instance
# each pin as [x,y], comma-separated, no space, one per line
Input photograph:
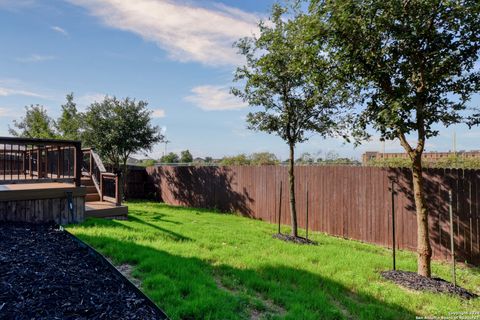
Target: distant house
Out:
[428,156]
[133,161]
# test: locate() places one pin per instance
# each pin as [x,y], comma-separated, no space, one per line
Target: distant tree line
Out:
[184,157]
[452,161]
[331,158]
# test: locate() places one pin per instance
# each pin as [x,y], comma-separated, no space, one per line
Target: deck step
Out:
[90,197]
[103,209]
[91,189]
[87,182]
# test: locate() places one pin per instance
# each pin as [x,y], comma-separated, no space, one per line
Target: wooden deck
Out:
[104,209]
[15,178]
[62,203]
[44,180]
[29,197]
[35,191]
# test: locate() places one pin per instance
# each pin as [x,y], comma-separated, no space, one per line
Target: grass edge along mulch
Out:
[47,273]
[414,281]
[182,254]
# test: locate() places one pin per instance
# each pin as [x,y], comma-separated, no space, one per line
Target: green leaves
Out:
[35,124]
[119,128]
[412,62]
[69,125]
[288,77]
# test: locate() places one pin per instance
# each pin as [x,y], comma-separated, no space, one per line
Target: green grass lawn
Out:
[198,264]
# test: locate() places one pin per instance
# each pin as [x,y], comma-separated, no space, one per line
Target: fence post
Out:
[280,208]
[306,222]
[452,244]
[393,226]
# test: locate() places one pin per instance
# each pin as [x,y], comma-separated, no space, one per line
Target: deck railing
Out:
[106,183]
[27,160]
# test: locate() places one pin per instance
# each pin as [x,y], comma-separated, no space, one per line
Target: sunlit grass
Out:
[198,264]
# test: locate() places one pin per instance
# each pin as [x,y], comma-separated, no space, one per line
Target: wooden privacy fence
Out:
[351,202]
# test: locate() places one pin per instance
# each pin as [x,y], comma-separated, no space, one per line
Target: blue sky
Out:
[176,55]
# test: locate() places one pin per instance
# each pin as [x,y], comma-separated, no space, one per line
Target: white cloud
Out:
[35,58]
[10,112]
[212,98]
[4,112]
[158,113]
[59,30]
[5,92]
[185,31]
[89,98]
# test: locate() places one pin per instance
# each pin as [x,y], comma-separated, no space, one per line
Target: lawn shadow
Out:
[158,217]
[208,187]
[192,288]
[437,184]
[173,235]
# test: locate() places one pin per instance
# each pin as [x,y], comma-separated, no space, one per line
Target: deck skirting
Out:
[42,203]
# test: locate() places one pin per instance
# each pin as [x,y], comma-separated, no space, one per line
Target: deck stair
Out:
[98,202]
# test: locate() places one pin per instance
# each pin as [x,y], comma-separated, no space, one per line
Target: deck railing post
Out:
[77,164]
[30,162]
[24,158]
[58,162]
[118,200]
[101,187]
[91,162]
[45,173]
[39,163]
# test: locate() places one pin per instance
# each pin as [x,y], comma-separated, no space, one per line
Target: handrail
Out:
[24,160]
[96,170]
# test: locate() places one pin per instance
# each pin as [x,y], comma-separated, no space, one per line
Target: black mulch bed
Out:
[289,238]
[414,281]
[46,274]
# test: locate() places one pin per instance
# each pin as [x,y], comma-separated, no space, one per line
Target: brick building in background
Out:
[428,156]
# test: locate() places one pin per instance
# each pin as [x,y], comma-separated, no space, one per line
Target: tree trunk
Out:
[291,180]
[424,249]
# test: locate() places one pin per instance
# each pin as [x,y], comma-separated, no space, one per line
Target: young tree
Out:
[35,124]
[170,158]
[414,64]
[294,102]
[238,160]
[263,159]
[305,158]
[208,160]
[119,128]
[186,157]
[147,162]
[69,124]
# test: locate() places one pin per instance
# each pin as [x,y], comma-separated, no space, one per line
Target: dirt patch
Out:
[126,269]
[46,274]
[414,281]
[298,240]
[270,307]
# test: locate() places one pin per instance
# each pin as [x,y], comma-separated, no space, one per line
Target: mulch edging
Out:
[46,274]
[297,239]
[414,281]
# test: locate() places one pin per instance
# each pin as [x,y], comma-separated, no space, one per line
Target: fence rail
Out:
[351,202]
